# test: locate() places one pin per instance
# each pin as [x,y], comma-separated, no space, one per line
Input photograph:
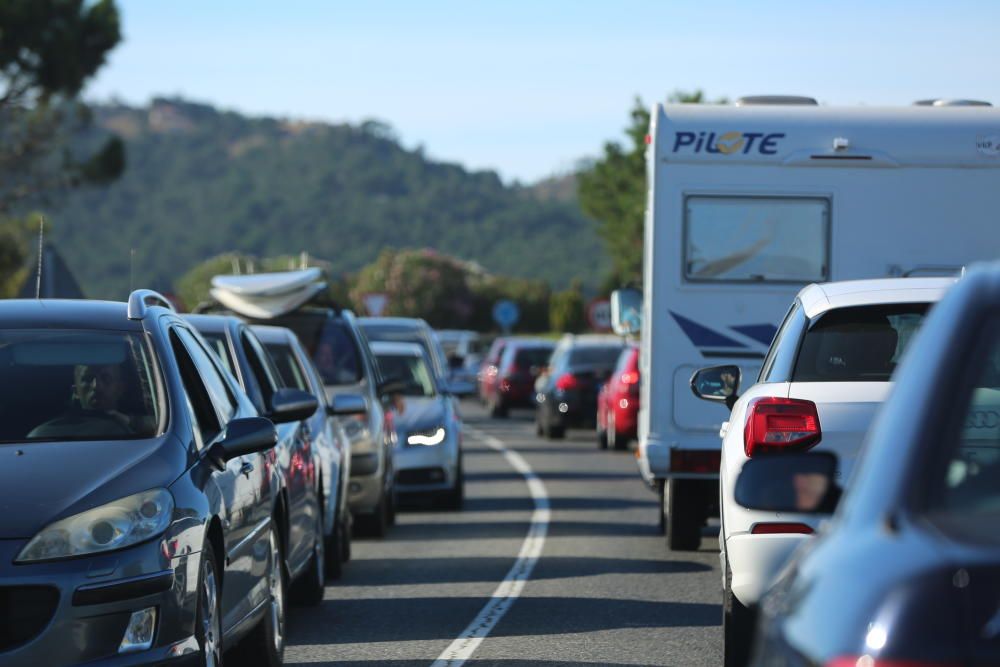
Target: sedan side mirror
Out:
[244,436]
[348,404]
[291,405]
[717,383]
[802,482]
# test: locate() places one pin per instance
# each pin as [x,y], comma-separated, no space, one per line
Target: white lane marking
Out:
[510,588]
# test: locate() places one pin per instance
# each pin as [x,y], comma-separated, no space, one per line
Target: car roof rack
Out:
[140,299]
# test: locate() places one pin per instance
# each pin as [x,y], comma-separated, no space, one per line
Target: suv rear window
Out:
[526,357]
[593,355]
[330,344]
[857,344]
[77,385]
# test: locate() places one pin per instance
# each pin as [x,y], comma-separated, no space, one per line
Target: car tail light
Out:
[630,377]
[869,661]
[780,423]
[567,381]
[686,460]
[779,528]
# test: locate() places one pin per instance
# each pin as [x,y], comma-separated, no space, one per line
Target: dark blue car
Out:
[137,514]
[908,571]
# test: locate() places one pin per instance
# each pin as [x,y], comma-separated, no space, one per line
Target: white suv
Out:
[825,374]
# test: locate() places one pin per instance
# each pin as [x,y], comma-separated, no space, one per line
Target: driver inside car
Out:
[98,391]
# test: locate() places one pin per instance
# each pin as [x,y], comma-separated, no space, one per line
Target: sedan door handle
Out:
[246,469]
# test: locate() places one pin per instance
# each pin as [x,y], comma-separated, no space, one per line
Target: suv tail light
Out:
[775,424]
[869,661]
[567,381]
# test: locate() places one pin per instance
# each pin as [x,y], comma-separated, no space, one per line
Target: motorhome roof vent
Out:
[757,100]
[940,102]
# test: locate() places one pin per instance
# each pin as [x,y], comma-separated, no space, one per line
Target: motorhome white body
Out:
[746,204]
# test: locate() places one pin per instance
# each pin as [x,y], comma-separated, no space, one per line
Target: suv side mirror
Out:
[717,383]
[244,436]
[290,405]
[348,404]
[626,311]
[800,482]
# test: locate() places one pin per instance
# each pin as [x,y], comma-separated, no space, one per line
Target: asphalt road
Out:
[603,591]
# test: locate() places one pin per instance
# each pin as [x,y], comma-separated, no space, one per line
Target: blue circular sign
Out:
[506,313]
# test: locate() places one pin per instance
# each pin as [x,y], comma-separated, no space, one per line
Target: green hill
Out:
[201,181]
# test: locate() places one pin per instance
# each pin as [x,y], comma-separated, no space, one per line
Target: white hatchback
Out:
[825,374]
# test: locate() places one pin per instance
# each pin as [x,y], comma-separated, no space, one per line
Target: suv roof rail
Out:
[140,299]
[770,100]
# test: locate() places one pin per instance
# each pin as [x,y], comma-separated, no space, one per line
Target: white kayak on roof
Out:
[268,284]
[266,306]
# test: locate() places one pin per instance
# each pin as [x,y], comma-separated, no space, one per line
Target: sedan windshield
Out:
[410,370]
[76,385]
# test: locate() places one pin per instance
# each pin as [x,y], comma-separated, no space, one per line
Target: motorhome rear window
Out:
[756,239]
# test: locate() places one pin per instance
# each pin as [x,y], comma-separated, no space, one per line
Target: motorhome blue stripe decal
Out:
[762,333]
[702,336]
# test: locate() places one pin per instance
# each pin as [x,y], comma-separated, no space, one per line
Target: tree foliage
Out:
[612,190]
[201,182]
[567,310]
[48,50]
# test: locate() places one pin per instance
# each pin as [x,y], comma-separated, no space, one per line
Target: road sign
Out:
[599,315]
[506,314]
[375,303]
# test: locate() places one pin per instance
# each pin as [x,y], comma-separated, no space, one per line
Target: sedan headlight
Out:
[118,524]
[434,436]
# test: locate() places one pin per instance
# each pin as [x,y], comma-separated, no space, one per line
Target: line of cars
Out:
[172,482]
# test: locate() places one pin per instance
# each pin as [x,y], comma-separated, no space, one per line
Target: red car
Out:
[520,364]
[488,371]
[618,402]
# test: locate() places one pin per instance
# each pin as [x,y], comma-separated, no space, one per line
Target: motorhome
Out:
[748,203]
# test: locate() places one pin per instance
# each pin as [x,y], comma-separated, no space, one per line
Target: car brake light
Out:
[630,377]
[869,661]
[567,381]
[780,423]
[777,528]
[686,460]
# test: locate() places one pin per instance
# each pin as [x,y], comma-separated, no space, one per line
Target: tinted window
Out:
[412,371]
[217,388]
[526,357]
[967,489]
[330,344]
[218,343]
[593,355]
[860,344]
[395,334]
[76,385]
[288,366]
[756,239]
[264,371]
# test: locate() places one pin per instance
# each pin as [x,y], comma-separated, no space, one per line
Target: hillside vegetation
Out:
[200,182]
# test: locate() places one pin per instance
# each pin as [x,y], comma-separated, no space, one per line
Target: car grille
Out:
[421,476]
[24,613]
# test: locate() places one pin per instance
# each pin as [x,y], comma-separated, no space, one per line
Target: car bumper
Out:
[426,469]
[365,486]
[96,598]
[755,560]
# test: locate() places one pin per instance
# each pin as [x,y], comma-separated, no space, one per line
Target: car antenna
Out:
[41,241]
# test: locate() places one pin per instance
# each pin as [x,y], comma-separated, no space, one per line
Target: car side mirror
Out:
[626,311]
[801,482]
[717,383]
[348,404]
[248,435]
[290,405]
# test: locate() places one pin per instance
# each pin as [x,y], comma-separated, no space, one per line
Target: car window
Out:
[528,357]
[330,344]
[966,492]
[624,360]
[218,343]
[203,414]
[756,239]
[857,344]
[267,375]
[77,385]
[218,390]
[780,359]
[410,370]
[404,334]
[595,355]
[292,374]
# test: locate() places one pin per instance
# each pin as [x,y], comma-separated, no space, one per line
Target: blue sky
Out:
[529,87]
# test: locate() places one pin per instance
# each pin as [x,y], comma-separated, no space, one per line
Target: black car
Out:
[566,394]
[139,523]
[908,570]
[294,457]
[331,444]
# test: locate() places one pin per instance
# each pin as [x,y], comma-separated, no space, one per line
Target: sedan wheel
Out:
[209,627]
[265,645]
